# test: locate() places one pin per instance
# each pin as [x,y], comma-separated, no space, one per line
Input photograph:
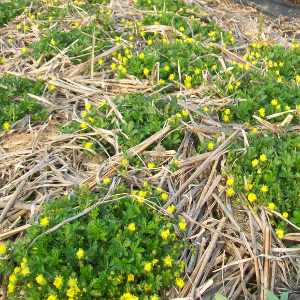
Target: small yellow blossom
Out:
[88,145]
[230,181]
[171,208]
[264,188]
[106,180]
[130,277]
[252,197]
[11,288]
[52,297]
[131,227]
[263,157]
[44,222]
[80,254]
[40,279]
[182,225]
[211,146]
[254,162]
[148,267]
[164,234]
[83,125]
[17,269]
[23,49]
[254,130]
[151,165]
[58,282]
[6,126]
[171,77]
[159,189]
[274,102]
[12,278]
[164,196]
[230,192]
[271,206]
[285,215]
[179,282]
[280,233]
[168,261]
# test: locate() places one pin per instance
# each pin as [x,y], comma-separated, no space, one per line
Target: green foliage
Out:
[10,9]
[15,103]
[122,246]
[272,170]
[144,116]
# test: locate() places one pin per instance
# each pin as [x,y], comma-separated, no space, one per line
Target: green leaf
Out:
[220,297]
[270,295]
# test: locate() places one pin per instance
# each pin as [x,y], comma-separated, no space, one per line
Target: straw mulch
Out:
[237,251]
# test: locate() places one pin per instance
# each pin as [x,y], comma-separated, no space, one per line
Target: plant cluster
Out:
[123,248]
[268,174]
[15,103]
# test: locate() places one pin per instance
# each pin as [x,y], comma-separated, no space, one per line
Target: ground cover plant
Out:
[113,80]
[139,249]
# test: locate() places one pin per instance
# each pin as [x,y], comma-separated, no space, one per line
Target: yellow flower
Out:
[83,125]
[278,107]
[12,278]
[149,42]
[44,222]
[230,192]
[84,113]
[2,249]
[161,81]
[88,145]
[171,77]
[254,130]
[11,288]
[153,298]
[185,113]
[230,181]
[23,49]
[71,293]
[182,225]
[130,277]
[227,111]
[52,43]
[3,60]
[285,215]
[252,197]
[113,66]
[226,118]
[287,108]
[146,71]
[106,180]
[148,287]
[80,254]
[131,227]
[17,269]
[171,208]
[271,206]
[262,112]
[254,162]
[280,233]
[211,146]
[159,189]
[197,71]
[72,282]
[179,282]
[128,296]
[25,271]
[165,234]
[58,282]
[205,109]
[168,261]
[40,279]
[164,196]
[148,267]
[52,297]
[274,102]
[88,106]
[154,261]
[263,157]
[264,188]
[151,165]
